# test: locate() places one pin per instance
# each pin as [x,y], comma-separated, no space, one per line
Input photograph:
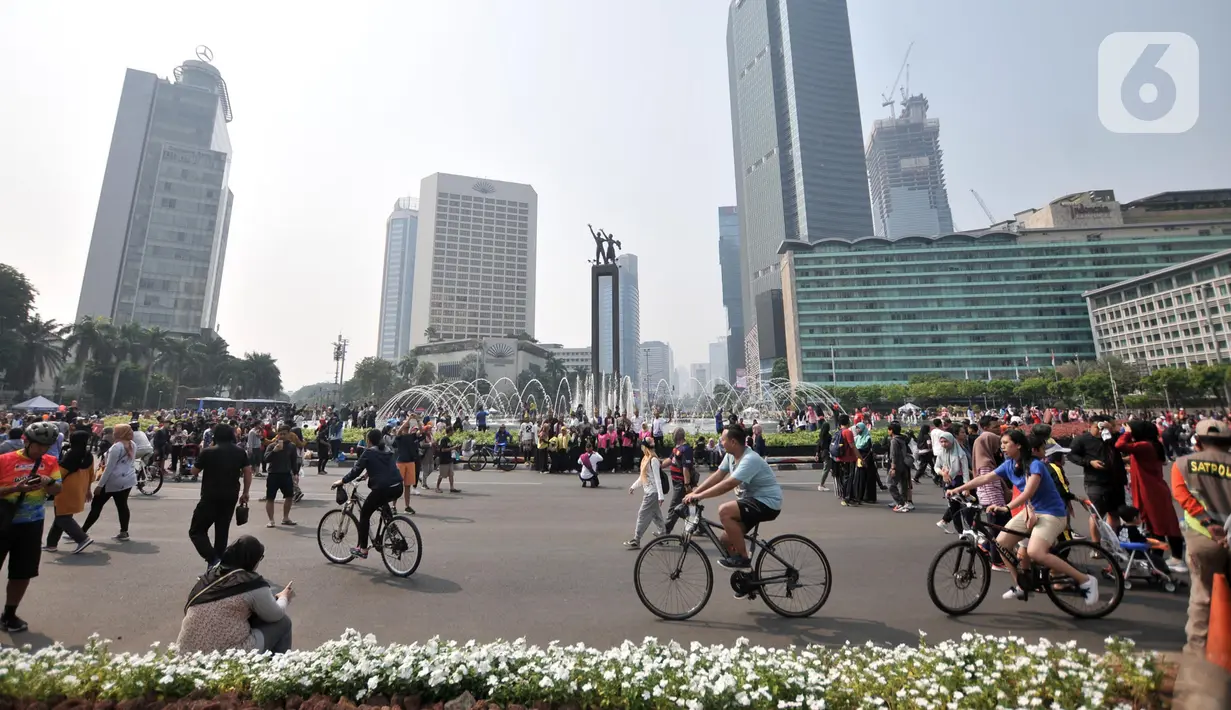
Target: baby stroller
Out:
[1139,560]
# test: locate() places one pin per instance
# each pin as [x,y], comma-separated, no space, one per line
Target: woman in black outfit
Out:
[924,457]
[384,484]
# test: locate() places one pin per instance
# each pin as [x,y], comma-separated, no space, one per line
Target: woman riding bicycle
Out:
[384,481]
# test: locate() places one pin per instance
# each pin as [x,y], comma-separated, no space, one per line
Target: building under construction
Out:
[907,176]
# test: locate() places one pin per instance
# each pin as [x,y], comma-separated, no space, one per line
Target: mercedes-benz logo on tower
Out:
[204,53]
[484,187]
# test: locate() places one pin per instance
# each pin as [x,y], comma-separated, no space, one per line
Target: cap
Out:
[1015,420]
[1053,448]
[1213,429]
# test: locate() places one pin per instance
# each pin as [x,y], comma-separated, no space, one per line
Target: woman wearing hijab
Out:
[231,606]
[855,486]
[867,463]
[77,466]
[650,481]
[117,482]
[954,467]
[1151,494]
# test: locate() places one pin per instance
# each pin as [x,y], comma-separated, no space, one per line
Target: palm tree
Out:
[554,370]
[407,366]
[431,334]
[41,345]
[259,376]
[176,357]
[152,343]
[122,344]
[85,339]
[426,374]
[213,359]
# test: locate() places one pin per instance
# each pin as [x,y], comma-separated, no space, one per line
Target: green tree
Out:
[1001,389]
[406,367]
[85,338]
[1095,386]
[426,374]
[1173,384]
[257,376]
[176,359]
[894,395]
[121,345]
[1061,390]
[151,345]
[554,370]
[526,376]
[1212,381]
[213,362]
[374,377]
[1032,390]
[431,334]
[40,352]
[1126,375]
[781,370]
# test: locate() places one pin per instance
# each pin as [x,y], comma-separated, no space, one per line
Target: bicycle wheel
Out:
[336,535]
[1092,560]
[401,547]
[506,463]
[672,572]
[964,568]
[808,577]
[477,461]
[150,482]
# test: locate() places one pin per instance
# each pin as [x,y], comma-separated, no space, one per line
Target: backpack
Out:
[664,481]
[837,447]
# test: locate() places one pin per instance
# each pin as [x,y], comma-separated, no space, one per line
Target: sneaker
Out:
[122,536]
[81,546]
[944,527]
[1173,564]
[845,503]
[632,544]
[359,552]
[415,492]
[50,548]
[824,489]
[895,508]
[1089,590]
[1014,593]
[901,509]
[735,562]
[13,624]
[910,506]
[999,567]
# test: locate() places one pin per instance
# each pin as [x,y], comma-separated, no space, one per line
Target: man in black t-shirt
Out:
[444,458]
[221,468]
[407,445]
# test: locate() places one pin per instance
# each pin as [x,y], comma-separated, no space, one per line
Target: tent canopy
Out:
[908,407]
[38,404]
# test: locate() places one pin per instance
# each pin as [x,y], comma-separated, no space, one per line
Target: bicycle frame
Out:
[695,520]
[1030,580]
[356,501]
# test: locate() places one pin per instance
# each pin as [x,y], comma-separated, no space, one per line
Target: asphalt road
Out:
[524,554]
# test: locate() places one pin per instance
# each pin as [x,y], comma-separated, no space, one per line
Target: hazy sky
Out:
[616,112]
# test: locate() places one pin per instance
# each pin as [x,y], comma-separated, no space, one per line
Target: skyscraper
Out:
[474,259]
[718,360]
[398,281]
[164,212]
[909,197]
[799,161]
[657,368]
[729,253]
[630,318]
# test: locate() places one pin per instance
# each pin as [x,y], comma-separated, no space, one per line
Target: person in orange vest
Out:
[1201,483]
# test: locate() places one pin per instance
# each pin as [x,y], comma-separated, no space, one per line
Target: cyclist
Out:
[758,500]
[502,441]
[1043,520]
[384,482]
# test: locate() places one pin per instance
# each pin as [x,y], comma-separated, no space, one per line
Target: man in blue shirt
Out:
[480,419]
[757,500]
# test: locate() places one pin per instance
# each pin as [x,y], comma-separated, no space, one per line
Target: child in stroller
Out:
[188,458]
[1143,557]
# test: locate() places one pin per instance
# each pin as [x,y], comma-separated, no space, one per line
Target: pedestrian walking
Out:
[444,458]
[222,467]
[653,482]
[117,481]
[684,476]
[77,470]
[280,456]
[27,477]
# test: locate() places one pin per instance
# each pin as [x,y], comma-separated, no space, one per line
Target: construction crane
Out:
[887,97]
[990,219]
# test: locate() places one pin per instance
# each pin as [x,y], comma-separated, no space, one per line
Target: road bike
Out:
[484,455]
[791,574]
[395,536]
[149,477]
[965,566]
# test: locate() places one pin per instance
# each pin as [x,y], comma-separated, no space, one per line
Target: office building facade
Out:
[718,368]
[573,359]
[699,380]
[729,257]
[1174,317]
[397,282]
[907,174]
[475,256]
[657,368]
[630,319]
[993,304]
[800,169]
[160,233]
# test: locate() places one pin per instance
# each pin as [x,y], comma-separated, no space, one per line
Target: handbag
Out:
[9,509]
[241,514]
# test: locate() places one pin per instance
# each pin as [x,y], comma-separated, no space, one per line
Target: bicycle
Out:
[396,537]
[483,454]
[776,587]
[970,570]
[149,478]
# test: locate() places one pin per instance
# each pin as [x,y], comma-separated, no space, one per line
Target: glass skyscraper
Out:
[630,319]
[398,280]
[800,171]
[907,174]
[160,233]
[732,289]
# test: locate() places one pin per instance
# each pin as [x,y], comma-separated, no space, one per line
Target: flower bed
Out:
[975,672]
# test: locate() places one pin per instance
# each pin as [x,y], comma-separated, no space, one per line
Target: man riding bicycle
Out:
[757,500]
[384,484]
[502,440]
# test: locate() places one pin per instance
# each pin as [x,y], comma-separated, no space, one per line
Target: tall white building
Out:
[630,319]
[474,259]
[698,379]
[397,284]
[572,358]
[164,212]
[657,367]
[718,359]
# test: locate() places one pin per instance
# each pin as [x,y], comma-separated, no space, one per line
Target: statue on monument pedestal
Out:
[601,255]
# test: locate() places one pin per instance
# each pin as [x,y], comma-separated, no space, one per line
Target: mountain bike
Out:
[966,566]
[149,477]
[395,536]
[484,455]
[791,574]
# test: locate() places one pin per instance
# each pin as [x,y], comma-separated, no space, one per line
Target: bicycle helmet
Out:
[44,433]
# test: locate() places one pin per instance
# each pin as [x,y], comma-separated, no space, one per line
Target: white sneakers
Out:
[1177,566]
[1090,590]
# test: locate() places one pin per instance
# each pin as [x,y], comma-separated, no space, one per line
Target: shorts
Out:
[753,512]
[1047,528]
[407,469]
[23,547]
[1107,501]
[254,458]
[279,482]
